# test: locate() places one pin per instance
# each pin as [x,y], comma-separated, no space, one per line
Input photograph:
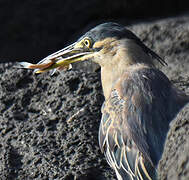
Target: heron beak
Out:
[61,59]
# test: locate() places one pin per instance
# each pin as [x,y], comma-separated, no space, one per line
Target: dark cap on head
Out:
[109,29]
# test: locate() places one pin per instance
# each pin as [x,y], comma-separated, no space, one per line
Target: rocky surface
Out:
[175,161]
[49,124]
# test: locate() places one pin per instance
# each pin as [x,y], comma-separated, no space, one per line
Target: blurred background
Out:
[31,30]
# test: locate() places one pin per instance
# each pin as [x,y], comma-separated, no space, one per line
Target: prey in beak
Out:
[62,59]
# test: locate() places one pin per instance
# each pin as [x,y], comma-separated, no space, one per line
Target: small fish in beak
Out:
[50,62]
[60,60]
[45,65]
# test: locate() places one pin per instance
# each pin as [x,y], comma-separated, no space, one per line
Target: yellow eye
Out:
[87,42]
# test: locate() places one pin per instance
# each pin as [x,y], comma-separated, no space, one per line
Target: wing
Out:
[135,122]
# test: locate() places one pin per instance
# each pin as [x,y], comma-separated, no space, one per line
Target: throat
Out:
[109,77]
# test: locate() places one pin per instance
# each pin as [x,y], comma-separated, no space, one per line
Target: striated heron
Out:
[140,101]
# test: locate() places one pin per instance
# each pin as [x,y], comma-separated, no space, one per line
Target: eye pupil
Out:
[86,42]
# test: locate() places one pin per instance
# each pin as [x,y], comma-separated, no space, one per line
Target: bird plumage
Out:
[135,121]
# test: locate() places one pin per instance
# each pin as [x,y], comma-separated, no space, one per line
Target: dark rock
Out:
[175,161]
